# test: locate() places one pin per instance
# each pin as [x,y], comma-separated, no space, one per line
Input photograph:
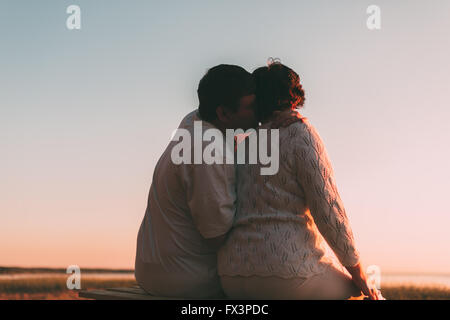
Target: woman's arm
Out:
[360,279]
[316,177]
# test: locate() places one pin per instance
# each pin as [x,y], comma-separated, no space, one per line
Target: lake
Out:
[415,279]
[106,275]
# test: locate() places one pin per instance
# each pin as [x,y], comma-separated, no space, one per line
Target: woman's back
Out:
[275,232]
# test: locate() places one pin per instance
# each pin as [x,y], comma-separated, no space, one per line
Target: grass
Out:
[57,284]
[415,293]
[55,288]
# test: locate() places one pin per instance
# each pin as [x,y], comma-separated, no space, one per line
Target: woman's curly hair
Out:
[277,88]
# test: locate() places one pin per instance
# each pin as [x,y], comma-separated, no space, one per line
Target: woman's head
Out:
[277,88]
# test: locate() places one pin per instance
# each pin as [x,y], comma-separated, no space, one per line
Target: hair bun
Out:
[271,61]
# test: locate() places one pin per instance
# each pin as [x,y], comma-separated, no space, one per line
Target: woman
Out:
[276,249]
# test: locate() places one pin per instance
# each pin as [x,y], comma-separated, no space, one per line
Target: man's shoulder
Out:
[185,146]
[189,119]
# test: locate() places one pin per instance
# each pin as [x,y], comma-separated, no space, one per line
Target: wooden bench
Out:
[125,293]
[137,293]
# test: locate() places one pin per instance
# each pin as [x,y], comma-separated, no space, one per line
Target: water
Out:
[386,279]
[416,280]
[109,276]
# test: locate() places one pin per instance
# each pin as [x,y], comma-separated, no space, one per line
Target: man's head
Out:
[227,97]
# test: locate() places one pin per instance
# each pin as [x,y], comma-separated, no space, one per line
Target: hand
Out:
[285,119]
[360,280]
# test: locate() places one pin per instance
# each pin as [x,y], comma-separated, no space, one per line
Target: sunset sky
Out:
[85,114]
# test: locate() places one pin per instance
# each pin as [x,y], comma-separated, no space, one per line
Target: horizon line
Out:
[18,269]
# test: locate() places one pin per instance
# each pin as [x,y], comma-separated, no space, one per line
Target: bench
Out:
[136,293]
[124,293]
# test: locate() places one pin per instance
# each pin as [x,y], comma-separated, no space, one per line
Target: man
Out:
[191,207]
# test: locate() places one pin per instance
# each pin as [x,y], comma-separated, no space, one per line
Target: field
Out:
[55,288]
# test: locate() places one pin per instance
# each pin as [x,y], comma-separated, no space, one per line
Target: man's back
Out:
[187,203]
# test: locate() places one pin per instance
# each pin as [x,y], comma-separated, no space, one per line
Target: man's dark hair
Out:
[223,85]
[277,88]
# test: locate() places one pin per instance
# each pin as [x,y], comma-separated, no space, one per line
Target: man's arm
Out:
[216,242]
[211,197]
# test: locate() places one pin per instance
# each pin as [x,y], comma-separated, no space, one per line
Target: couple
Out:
[224,230]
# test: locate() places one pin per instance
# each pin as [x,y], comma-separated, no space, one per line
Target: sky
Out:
[85,115]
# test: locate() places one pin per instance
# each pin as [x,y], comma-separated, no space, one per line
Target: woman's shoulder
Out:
[304,133]
[299,132]
[298,129]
